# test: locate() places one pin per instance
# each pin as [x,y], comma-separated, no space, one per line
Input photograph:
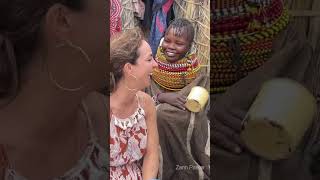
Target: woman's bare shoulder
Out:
[145,98]
[146,102]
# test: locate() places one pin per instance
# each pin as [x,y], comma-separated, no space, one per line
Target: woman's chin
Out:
[171,59]
[147,84]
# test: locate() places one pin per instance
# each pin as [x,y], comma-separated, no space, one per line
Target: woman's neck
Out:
[36,116]
[122,96]
[41,112]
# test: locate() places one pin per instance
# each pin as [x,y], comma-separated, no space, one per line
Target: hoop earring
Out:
[69,44]
[64,88]
[130,89]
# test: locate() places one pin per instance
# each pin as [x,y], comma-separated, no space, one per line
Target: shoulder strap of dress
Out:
[89,122]
[139,99]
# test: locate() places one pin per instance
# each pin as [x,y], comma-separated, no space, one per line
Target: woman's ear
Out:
[58,21]
[127,68]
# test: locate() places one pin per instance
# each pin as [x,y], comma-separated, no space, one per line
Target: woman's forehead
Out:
[146,48]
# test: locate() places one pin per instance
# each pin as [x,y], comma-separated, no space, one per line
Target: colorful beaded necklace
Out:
[243,32]
[175,76]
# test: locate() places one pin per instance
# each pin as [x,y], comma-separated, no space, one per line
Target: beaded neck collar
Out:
[175,76]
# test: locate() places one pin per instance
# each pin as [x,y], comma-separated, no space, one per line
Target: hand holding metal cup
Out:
[197,99]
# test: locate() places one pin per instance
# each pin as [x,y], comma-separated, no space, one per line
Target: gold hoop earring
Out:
[130,89]
[62,87]
[69,44]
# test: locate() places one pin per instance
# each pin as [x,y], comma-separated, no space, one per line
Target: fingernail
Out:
[237,150]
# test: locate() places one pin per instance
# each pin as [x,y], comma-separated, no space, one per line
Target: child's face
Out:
[175,47]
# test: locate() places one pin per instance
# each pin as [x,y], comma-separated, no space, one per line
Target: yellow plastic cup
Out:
[197,99]
[278,119]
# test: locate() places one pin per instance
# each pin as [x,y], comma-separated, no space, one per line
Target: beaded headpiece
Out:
[242,35]
[175,76]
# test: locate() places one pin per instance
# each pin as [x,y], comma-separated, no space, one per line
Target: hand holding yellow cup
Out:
[278,119]
[197,99]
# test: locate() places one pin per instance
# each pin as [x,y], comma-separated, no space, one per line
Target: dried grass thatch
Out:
[128,19]
[198,12]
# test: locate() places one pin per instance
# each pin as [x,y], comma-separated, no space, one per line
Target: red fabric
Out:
[115,17]
[127,148]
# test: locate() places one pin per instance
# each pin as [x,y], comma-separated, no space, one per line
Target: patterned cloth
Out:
[115,17]
[127,146]
[159,22]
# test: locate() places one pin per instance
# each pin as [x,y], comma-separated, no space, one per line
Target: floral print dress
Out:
[128,143]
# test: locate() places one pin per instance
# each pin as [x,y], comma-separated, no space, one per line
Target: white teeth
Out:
[170,54]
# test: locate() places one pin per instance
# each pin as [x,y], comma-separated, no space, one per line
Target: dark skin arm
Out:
[226,127]
[174,99]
